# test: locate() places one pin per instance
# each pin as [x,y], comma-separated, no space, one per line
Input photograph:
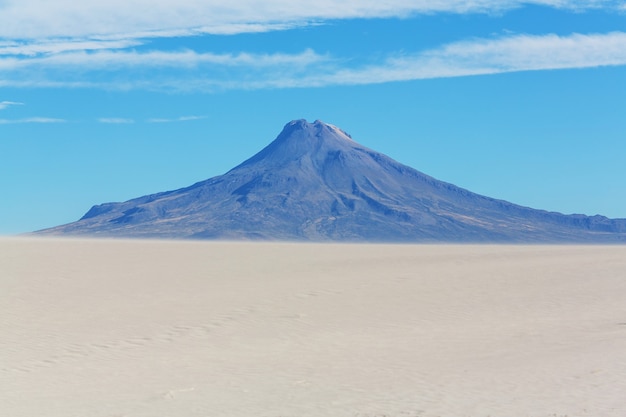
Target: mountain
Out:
[314,183]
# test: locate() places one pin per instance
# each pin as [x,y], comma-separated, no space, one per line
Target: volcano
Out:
[314,183]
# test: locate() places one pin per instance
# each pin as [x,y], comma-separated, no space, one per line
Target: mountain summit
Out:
[313,182]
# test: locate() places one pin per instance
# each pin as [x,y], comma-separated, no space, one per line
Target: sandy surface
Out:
[190,329]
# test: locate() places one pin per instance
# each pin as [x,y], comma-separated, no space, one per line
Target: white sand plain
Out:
[102,328]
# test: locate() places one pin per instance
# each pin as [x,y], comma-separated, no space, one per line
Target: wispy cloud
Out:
[192,71]
[177,119]
[31,120]
[96,44]
[111,60]
[5,104]
[36,19]
[489,56]
[56,46]
[115,120]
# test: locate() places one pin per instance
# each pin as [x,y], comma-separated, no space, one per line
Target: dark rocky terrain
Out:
[314,183]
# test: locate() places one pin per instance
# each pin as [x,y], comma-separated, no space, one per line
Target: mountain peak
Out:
[300,138]
[313,182]
[318,128]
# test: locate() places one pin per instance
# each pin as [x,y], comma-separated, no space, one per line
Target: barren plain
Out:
[134,328]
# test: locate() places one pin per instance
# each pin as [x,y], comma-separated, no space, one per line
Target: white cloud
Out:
[58,46]
[476,57]
[516,53]
[201,71]
[177,119]
[31,120]
[490,56]
[190,118]
[5,104]
[37,19]
[115,120]
[90,44]
[110,60]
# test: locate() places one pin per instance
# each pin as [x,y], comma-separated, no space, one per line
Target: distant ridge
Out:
[315,183]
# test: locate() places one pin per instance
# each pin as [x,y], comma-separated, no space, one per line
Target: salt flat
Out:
[112,328]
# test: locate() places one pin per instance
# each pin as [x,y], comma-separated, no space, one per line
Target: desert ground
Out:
[122,328]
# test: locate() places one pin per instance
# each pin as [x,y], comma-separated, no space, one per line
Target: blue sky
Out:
[106,101]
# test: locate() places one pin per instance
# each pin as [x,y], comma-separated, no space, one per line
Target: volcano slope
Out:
[314,183]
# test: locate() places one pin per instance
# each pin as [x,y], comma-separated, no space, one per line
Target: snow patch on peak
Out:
[340,132]
[298,122]
[318,125]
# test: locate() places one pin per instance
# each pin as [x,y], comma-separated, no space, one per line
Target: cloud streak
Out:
[48,47]
[489,56]
[178,119]
[106,45]
[115,120]
[37,120]
[194,71]
[108,60]
[126,19]
[5,104]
